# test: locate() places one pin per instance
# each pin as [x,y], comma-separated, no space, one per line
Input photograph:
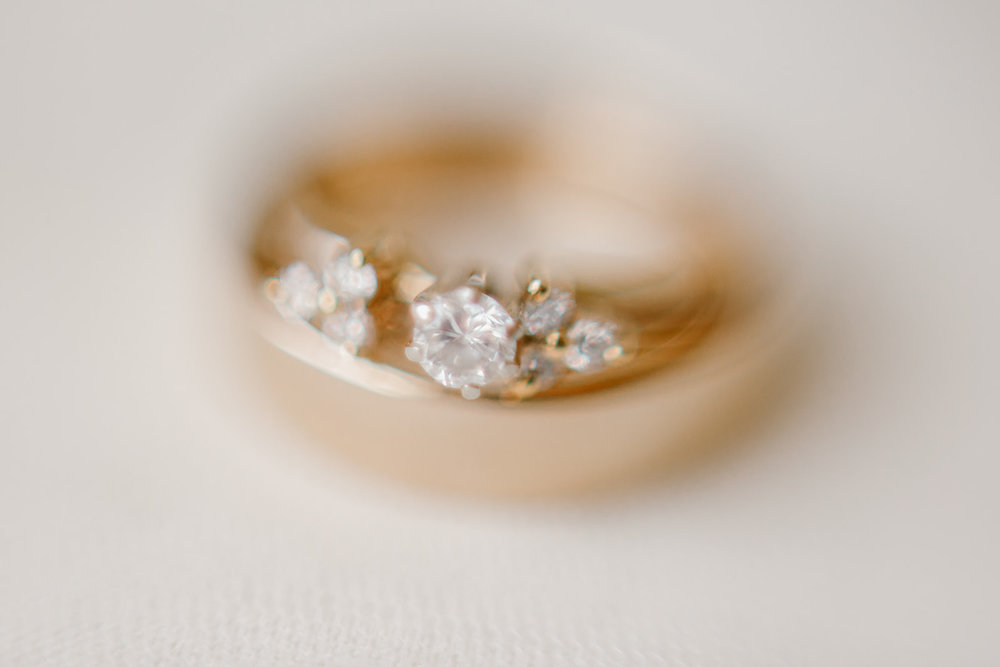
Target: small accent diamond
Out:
[538,370]
[592,343]
[541,315]
[353,327]
[462,338]
[299,290]
[349,277]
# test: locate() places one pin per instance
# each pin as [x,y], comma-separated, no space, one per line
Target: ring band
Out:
[360,264]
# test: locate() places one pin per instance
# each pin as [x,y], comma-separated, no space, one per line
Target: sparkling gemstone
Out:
[463,338]
[299,290]
[543,315]
[537,368]
[351,326]
[591,344]
[349,278]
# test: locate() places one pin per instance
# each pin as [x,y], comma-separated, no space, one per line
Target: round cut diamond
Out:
[354,327]
[349,278]
[299,290]
[543,315]
[592,343]
[462,338]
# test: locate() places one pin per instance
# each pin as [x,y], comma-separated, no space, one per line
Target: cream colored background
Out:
[155,509]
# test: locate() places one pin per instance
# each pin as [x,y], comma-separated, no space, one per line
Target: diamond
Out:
[462,338]
[353,327]
[349,277]
[541,315]
[538,370]
[592,343]
[299,290]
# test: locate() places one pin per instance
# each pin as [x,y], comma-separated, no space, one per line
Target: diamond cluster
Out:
[336,300]
[466,340]
[463,338]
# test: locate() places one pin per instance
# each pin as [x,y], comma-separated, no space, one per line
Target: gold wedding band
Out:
[443,264]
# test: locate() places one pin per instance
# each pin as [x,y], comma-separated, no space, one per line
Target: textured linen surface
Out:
[156,509]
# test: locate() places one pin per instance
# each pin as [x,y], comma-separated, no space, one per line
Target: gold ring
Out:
[587,302]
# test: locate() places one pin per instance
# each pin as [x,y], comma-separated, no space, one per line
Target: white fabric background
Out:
[154,509]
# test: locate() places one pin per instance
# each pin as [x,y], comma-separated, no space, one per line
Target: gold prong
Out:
[357,258]
[421,312]
[273,290]
[412,280]
[327,301]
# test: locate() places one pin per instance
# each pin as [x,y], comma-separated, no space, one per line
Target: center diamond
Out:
[462,338]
